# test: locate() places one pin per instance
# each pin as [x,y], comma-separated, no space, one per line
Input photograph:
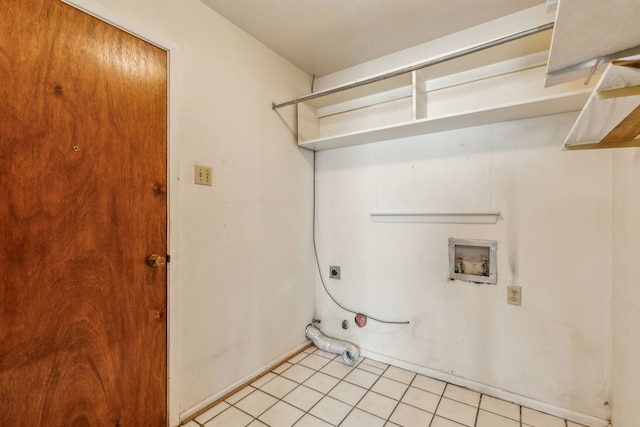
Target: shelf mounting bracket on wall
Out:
[439,217]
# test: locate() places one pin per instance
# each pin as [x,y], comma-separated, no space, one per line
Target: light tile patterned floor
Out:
[317,389]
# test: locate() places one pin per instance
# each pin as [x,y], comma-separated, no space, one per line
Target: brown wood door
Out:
[83,203]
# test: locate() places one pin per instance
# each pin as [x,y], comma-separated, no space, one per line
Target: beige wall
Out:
[626,288]
[553,352]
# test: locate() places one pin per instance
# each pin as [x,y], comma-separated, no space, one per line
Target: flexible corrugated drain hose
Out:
[349,352]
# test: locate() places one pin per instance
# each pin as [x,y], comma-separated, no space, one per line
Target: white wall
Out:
[626,292]
[554,240]
[243,249]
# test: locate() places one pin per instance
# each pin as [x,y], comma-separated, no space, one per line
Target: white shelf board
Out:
[601,115]
[554,104]
[589,29]
[439,217]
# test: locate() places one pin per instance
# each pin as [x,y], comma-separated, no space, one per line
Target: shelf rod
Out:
[425,64]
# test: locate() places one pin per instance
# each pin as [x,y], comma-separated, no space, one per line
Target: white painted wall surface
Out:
[626,290]
[553,240]
[244,252]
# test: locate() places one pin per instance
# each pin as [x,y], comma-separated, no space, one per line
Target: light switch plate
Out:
[203,175]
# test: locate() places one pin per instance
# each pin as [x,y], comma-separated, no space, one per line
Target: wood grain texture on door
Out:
[83,203]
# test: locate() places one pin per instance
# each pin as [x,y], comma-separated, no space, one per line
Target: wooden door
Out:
[83,203]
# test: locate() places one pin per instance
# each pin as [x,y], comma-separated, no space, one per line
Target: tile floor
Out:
[317,389]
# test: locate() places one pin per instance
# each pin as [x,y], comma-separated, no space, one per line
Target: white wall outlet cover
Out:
[514,295]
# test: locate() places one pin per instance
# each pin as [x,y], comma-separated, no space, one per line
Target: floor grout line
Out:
[475,423]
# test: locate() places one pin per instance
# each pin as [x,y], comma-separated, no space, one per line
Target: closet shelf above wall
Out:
[611,117]
[553,104]
[590,35]
[498,81]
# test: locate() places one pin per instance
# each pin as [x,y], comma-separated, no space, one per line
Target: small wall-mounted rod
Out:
[425,64]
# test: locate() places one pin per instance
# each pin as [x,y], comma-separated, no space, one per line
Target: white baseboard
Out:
[586,420]
[264,369]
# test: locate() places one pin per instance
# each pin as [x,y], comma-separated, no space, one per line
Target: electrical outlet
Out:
[203,175]
[514,295]
[334,272]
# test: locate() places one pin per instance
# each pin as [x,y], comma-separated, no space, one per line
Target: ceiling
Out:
[324,36]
